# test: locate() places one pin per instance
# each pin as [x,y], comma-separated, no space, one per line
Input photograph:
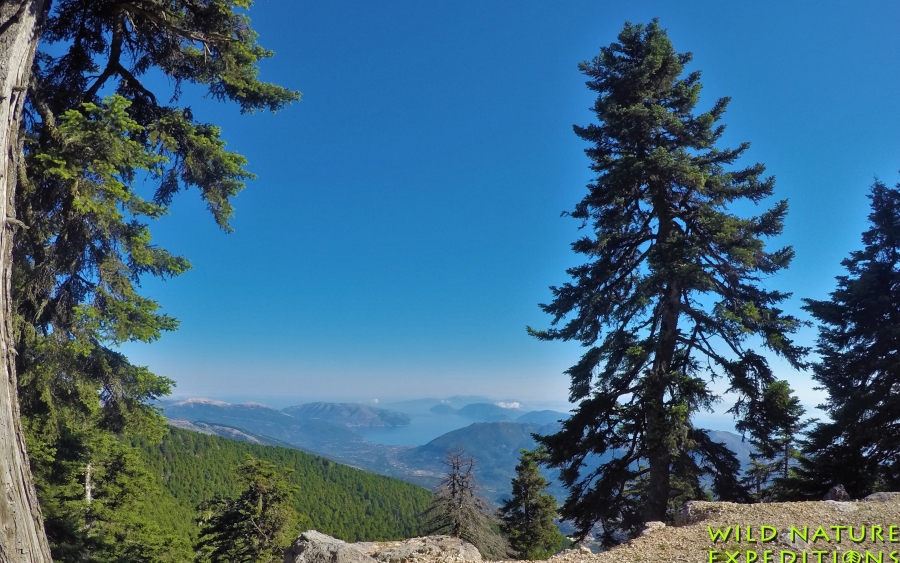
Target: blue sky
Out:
[405,222]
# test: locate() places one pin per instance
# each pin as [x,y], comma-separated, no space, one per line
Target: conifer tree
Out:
[528,514]
[84,130]
[670,295]
[775,429]
[255,527]
[458,511]
[859,366]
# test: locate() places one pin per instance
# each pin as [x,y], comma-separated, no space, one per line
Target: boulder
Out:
[837,493]
[883,497]
[651,527]
[694,511]
[315,547]
[430,547]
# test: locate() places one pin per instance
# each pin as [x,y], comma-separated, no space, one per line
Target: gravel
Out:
[690,542]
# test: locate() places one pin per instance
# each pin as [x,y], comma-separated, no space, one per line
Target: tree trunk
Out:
[659,429]
[22,538]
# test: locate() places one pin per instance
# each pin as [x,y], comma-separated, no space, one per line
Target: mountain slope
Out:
[542,417]
[310,435]
[338,500]
[495,447]
[348,414]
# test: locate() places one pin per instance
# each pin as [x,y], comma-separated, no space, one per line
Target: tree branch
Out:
[162,22]
[112,65]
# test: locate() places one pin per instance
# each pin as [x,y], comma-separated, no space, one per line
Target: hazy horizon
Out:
[715,421]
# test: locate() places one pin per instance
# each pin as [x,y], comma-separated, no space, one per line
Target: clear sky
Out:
[405,222]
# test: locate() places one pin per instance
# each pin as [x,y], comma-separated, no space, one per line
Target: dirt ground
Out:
[690,542]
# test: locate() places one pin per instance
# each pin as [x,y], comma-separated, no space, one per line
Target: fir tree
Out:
[859,366]
[775,428]
[255,527]
[85,132]
[669,296]
[458,511]
[528,515]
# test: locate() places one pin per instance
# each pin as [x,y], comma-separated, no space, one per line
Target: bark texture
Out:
[22,538]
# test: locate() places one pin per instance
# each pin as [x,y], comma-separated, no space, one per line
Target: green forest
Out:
[334,499]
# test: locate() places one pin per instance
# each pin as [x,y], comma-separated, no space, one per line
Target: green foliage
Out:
[528,515]
[670,295]
[95,494]
[458,511]
[859,347]
[94,137]
[774,426]
[255,527]
[334,499]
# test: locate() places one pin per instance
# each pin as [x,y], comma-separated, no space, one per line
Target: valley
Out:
[406,440]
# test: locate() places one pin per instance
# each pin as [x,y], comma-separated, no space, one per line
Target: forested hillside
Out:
[338,500]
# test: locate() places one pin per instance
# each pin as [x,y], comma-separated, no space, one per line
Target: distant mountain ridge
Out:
[543,417]
[348,414]
[489,412]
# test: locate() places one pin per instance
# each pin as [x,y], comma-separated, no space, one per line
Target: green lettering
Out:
[719,534]
[753,554]
[837,530]
[876,530]
[795,532]
[713,555]
[895,556]
[820,532]
[762,533]
[793,557]
[819,555]
[873,559]
[893,532]
[767,556]
[862,536]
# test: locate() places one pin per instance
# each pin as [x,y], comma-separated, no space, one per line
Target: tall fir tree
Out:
[670,294]
[255,527]
[528,514]
[859,366]
[83,126]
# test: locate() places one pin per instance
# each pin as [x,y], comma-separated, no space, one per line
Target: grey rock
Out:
[797,544]
[841,506]
[430,547]
[651,527]
[837,493]
[883,497]
[315,547]
[694,511]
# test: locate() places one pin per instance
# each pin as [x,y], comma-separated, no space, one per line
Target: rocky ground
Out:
[688,541]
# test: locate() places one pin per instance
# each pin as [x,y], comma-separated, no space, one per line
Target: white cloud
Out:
[514,405]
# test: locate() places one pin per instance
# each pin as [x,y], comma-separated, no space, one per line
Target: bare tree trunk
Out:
[22,537]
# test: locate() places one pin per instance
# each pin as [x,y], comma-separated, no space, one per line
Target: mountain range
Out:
[491,433]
